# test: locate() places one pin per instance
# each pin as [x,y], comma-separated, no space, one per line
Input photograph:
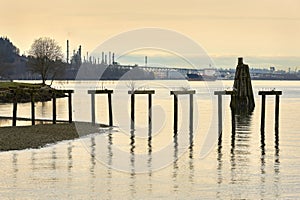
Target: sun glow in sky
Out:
[260,30]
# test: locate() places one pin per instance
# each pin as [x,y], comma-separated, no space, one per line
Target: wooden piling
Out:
[220,117]
[149,109]
[15,108]
[133,93]
[277,112]
[220,114]
[132,110]
[232,121]
[263,110]
[70,106]
[54,108]
[110,110]
[93,108]
[32,109]
[175,113]
[191,113]
[93,112]
[182,92]
[243,101]
[263,102]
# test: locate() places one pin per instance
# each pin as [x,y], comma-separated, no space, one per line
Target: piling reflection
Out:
[240,146]
[191,155]
[277,164]
[15,168]
[132,163]
[219,160]
[70,162]
[70,157]
[175,159]
[149,161]
[110,162]
[92,165]
[93,156]
[33,161]
[277,161]
[54,157]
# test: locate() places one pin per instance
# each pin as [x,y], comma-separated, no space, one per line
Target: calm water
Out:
[154,162]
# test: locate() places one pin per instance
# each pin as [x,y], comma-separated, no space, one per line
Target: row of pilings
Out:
[132,93]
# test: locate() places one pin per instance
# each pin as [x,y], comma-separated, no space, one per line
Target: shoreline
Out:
[38,136]
[20,92]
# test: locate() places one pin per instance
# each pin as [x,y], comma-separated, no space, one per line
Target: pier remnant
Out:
[243,101]
[133,93]
[220,120]
[182,92]
[108,92]
[263,107]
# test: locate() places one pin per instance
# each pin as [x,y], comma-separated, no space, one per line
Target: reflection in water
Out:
[15,168]
[132,163]
[219,159]
[93,159]
[240,140]
[70,157]
[175,164]
[109,161]
[219,166]
[191,157]
[54,157]
[70,163]
[149,162]
[92,167]
[277,164]
[33,161]
[262,165]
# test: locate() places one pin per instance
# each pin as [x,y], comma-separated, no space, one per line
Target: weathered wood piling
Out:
[175,105]
[32,93]
[243,101]
[263,108]
[132,102]
[220,117]
[108,92]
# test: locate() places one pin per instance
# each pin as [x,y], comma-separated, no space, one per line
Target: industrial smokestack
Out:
[109,58]
[113,58]
[105,59]
[146,61]
[102,62]
[79,52]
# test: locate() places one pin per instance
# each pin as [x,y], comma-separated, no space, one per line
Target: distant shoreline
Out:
[25,137]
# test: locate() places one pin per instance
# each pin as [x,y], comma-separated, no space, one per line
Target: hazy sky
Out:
[224,28]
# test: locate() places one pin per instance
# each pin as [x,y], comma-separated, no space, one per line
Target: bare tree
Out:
[45,58]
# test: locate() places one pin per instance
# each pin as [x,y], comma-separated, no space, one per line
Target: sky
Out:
[264,32]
